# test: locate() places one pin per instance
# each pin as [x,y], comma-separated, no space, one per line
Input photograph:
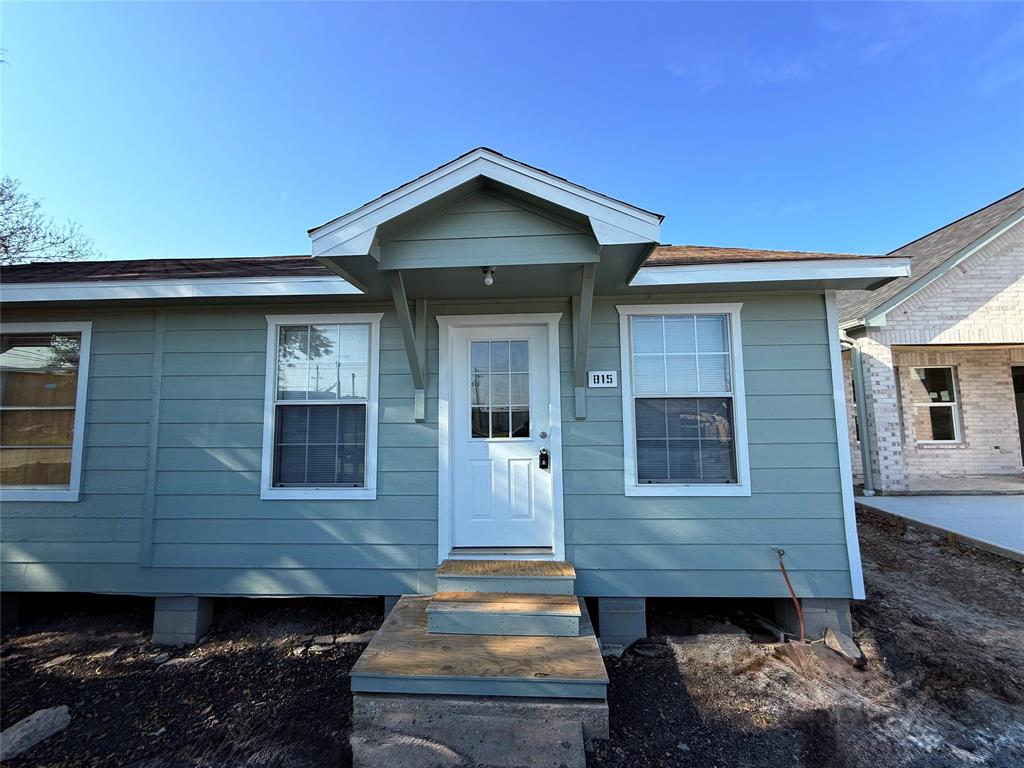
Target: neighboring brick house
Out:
[942,356]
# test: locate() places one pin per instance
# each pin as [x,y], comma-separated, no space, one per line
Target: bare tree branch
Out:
[27,234]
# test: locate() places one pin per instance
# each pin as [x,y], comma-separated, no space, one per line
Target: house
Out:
[939,360]
[489,362]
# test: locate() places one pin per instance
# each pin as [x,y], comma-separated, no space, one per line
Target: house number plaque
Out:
[599,379]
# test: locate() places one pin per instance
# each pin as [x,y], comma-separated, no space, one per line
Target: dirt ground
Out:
[942,629]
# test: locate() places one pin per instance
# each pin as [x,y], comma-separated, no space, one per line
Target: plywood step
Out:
[404,658]
[483,613]
[534,577]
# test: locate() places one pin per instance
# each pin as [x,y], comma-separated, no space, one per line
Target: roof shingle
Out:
[163,269]
[686,255]
[928,252]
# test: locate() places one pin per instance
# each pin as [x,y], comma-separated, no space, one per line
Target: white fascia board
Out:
[362,244]
[762,272]
[501,169]
[179,289]
[609,234]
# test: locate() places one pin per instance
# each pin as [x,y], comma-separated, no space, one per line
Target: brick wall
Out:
[990,438]
[981,301]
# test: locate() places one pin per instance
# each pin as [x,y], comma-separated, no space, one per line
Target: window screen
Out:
[38,389]
[683,399]
[321,405]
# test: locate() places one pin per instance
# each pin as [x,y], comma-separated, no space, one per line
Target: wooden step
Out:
[404,658]
[533,577]
[485,613]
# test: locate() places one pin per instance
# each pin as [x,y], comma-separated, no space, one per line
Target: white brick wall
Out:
[990,438]
[981,301]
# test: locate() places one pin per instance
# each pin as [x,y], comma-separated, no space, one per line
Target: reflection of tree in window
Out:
[38,392]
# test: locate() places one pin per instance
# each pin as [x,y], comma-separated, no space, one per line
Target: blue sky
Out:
[200,129]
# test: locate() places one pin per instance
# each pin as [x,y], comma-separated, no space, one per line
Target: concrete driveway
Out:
[995,523]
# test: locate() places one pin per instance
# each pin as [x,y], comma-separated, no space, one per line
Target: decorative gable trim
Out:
[354,233]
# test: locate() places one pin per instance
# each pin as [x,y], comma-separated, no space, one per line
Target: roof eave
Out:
[876,316]
[859,273]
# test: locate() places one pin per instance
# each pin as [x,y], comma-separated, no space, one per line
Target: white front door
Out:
[501,434]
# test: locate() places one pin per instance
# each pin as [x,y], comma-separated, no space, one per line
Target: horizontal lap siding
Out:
[716,546]
[212,534]
[103,529]
[208,515]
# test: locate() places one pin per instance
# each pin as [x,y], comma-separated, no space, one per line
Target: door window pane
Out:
[499,356]
[520,423]
[499,389]
[499,422]
[479,354]
[520,393]
[519,356]
[480,422]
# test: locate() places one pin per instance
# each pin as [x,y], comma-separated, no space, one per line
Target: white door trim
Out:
[447,325]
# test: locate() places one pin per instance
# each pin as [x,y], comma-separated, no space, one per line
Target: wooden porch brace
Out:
[582,311]
[414,347]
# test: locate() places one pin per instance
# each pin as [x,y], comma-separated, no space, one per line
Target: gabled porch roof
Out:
[364,245]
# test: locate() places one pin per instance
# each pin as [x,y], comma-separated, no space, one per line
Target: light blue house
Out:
[489,362]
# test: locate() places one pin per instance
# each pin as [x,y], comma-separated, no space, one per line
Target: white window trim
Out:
[267,489]
[958,437]
[73,491]
[633,488]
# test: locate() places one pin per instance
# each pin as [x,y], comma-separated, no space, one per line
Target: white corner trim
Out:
[758,272]
[72,492]
[632,487]
[447,326]
[267,491]
[179,288]
[843,445]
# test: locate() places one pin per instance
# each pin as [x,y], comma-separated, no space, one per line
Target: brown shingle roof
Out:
[292,266]
[163,269]
[929,252]
[684,255]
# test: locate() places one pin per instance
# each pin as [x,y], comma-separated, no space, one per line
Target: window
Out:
[683,405]
[935,405]
[43,377]
[321,410]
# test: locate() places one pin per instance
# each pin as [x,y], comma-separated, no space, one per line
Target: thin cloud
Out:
[1001,65]
[706,74]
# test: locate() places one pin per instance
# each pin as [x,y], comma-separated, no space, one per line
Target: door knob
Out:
[545,458]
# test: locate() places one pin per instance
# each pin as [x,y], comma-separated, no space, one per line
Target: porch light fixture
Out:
[488,276]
